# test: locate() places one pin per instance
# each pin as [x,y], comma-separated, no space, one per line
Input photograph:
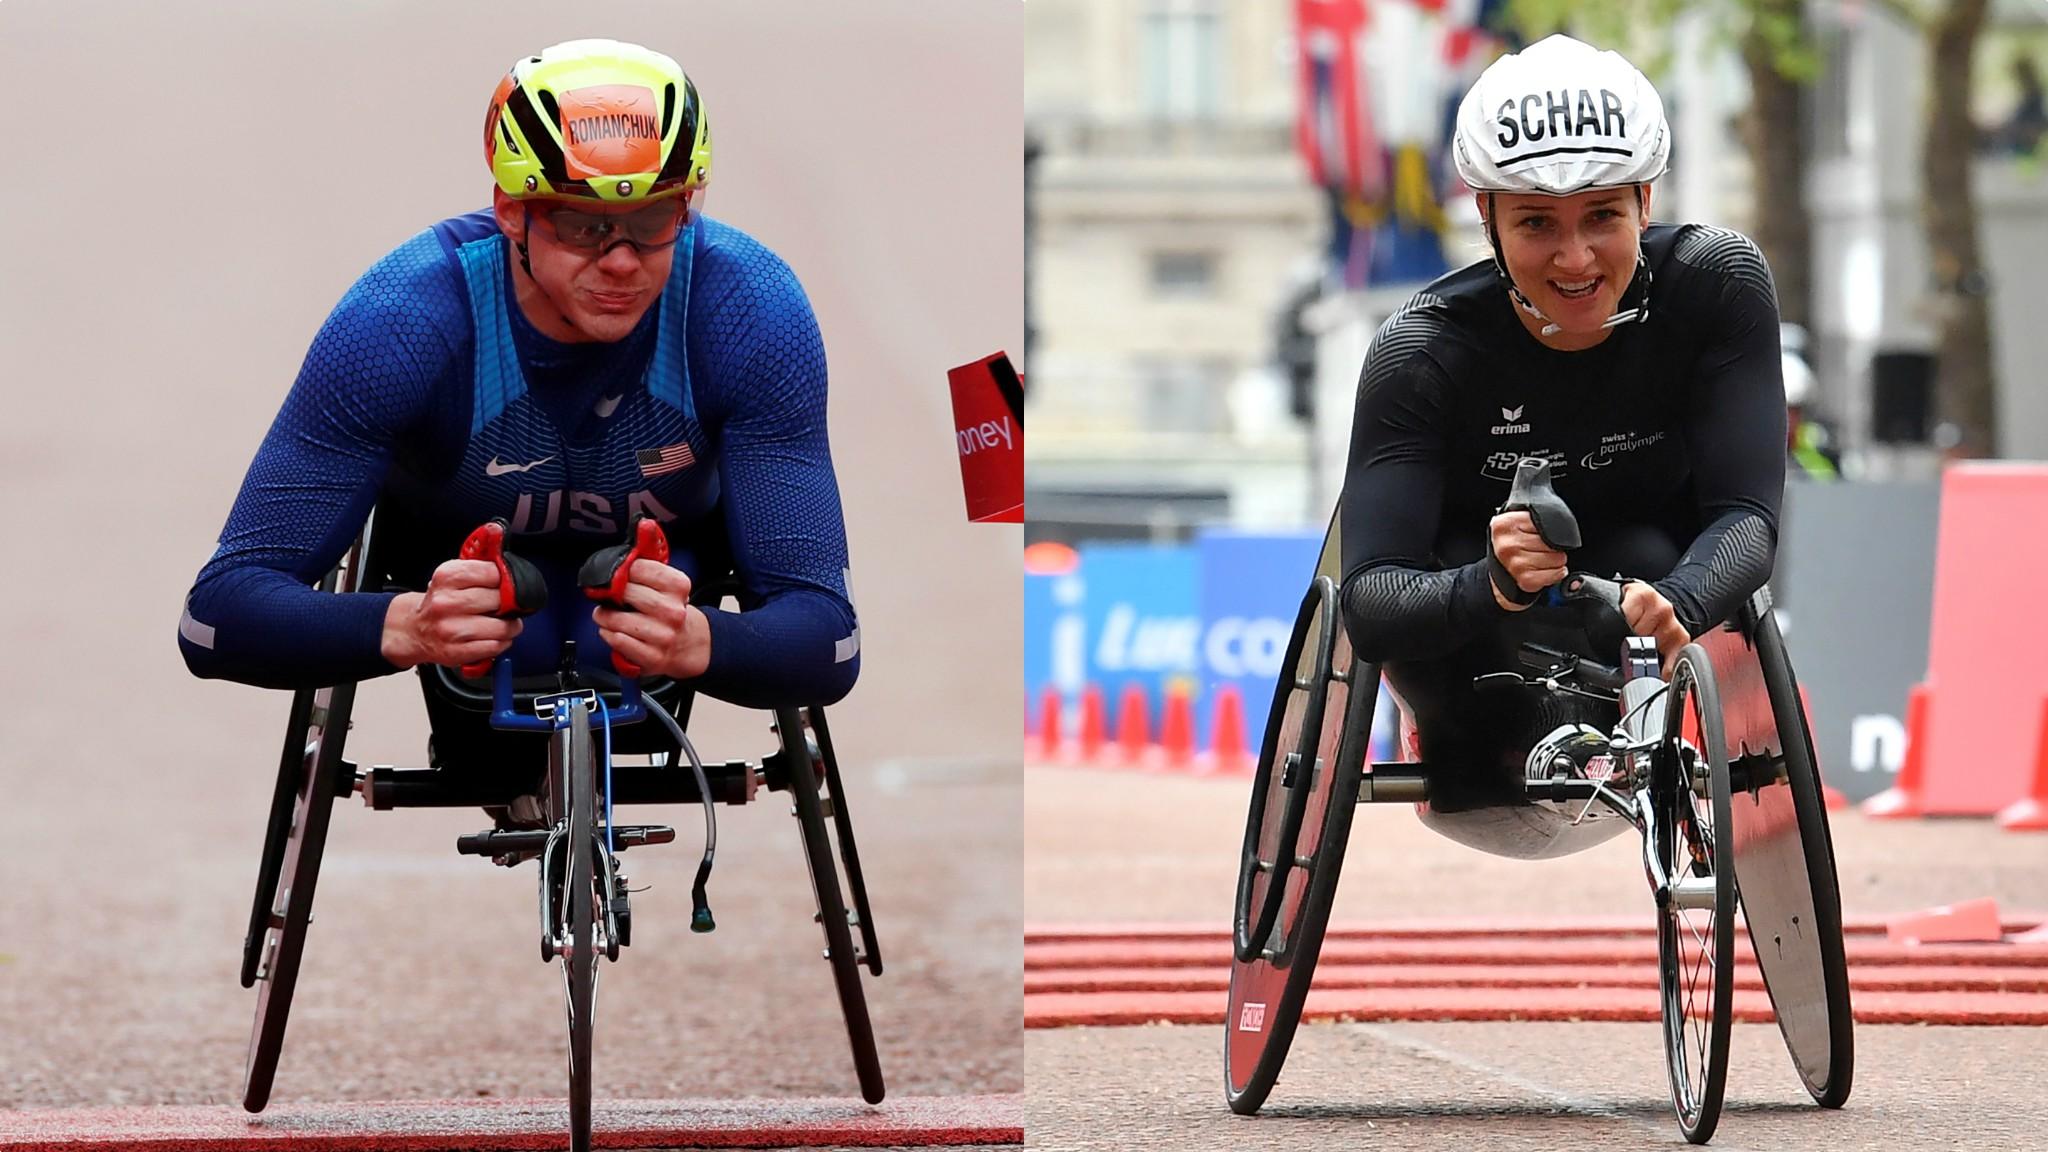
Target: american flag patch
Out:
[662,461]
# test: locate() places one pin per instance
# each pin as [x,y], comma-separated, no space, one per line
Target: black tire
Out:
[1279,802]
[818,853]
[1831,1088]
[579,967]
[287,906]
[1692,833]
[1267,992]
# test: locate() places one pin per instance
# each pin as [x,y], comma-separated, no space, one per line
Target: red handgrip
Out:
[487,542]
[649,543]
[522,590]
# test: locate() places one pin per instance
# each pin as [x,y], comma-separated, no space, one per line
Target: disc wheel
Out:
[579,967]
[1812,1006]
[1268,991]
[1283,785]
[1696,926]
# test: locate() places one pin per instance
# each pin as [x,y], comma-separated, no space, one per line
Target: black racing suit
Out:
[1666,440]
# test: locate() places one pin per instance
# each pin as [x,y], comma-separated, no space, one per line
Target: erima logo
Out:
[1510,415]
[1543,116]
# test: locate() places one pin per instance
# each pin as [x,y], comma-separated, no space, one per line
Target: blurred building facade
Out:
[1873,300]
[1170,216]
[1174,221]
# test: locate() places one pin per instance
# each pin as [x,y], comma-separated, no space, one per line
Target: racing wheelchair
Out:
[1714,767]
[584,909]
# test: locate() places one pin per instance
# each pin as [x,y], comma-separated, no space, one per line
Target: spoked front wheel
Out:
[578,850]
[1696,926]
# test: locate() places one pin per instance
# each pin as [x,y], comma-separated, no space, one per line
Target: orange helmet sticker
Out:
[610,130]
[491,117]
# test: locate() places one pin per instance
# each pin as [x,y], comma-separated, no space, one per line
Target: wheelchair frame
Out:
[313,773]
[1774,827]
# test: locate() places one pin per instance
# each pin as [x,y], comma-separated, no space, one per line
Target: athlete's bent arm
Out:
[252,615]
[1734,428]
[1396,604]
[796,640]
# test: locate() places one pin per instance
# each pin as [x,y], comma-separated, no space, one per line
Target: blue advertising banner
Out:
[1140,621]
[1216,613]
[1251,588]
[1055,641]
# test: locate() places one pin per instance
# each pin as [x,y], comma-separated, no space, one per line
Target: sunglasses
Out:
[652,228]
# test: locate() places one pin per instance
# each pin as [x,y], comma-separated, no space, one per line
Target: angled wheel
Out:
[1319,727]
[839,950]
[842,830]
[291,773]
[579,966]
[278,935]
[1791,897]
[1692,836]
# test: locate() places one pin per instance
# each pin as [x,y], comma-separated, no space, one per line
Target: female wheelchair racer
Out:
[1637,366]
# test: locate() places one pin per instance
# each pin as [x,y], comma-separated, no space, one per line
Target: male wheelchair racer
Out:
[1714,767]
[583,903]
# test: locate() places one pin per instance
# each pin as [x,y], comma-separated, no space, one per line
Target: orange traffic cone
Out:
[1177,728]
[1049,724]
[2030,812]
[1832,797]
[1903,797]
[1226,738]
[1094,725]
[1133,727]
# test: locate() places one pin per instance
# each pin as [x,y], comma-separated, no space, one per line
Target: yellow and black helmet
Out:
[597,119]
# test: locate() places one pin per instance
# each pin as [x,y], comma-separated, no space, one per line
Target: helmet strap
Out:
[525,227]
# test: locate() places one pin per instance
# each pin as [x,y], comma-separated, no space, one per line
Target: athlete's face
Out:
[592,276]
[1572,256]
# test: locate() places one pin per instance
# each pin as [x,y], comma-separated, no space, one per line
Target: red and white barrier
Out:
[1976,727]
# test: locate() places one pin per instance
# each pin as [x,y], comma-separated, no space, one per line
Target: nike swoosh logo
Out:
[496,469]
[606,405]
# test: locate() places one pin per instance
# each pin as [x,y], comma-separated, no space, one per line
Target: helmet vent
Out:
[668,109]
[548,105]
[505,133]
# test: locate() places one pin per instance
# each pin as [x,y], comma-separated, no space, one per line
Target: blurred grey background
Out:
[189,188]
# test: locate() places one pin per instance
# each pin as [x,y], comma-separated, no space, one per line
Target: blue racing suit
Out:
[429,396]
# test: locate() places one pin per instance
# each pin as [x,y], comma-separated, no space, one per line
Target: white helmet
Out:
[1560,117]
[1798,380]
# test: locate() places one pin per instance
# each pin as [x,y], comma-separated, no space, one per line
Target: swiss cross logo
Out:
[1251,1018]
